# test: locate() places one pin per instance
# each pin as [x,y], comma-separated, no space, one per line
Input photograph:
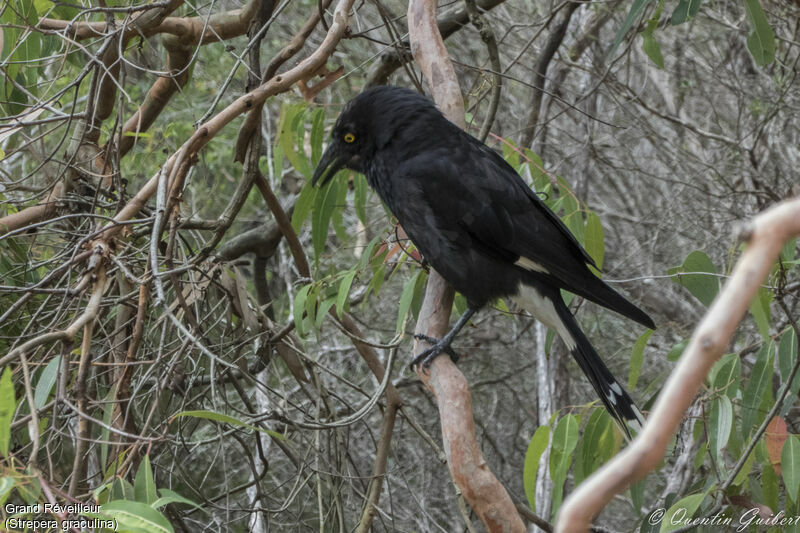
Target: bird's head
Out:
[350,144]
[367,124]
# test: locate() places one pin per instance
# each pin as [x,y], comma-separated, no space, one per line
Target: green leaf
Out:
[135,517]
[702,287]
[299,307]
[144,488]
[761,39]
[169,496]
[595,244]
[742,475]
[596,446]
[790,466]
[787,356]
[321,217]
[311,306]
[291,115]
[652,49]
[759,308]
[344,292]
[7,405]
[277,161]
[637,496]
[360,196]
[788,251]
[121,490]
[322,311]
[6,484]
[113,468]
[681,510]
[405,301]
[510,153]
[378,277]
[536,448]
[419,294]
[720,421]
[770,486]
[317,133]
[366,253]
[539,177]
[633,15]
[676,351]
[337,218]
[726,374]
[637,356]
[303,205]
[226,419]
[760,378]
[649,43]
[27,11]
[565,438]
[299,135]
[686,10]
[47,379]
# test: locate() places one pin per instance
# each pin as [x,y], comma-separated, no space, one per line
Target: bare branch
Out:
[766,234]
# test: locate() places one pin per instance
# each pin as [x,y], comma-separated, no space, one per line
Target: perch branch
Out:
[485,494]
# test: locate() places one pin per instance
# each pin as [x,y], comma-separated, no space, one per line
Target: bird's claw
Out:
[439,346]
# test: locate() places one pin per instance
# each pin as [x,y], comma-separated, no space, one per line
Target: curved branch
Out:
[766,234]
[449,22]
[209,130]
[294,45]
[540,73]
[67,334]
[163,89]
[152,16]
[485,494]
[487,36]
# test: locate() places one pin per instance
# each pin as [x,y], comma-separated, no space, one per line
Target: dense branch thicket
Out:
[192,335]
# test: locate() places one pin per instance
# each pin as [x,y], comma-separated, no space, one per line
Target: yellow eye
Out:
[349,138]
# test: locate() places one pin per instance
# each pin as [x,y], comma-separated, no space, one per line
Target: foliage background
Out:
[234,402]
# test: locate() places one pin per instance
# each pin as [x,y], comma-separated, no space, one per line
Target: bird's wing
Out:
[467,189]
[474,190]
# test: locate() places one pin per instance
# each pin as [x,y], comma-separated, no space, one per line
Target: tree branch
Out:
[485,494]
[540,73]
[449,22]
[766,234]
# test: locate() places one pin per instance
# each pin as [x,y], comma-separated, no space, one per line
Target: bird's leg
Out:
[441,345]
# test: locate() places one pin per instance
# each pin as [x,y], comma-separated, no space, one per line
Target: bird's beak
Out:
[328,166]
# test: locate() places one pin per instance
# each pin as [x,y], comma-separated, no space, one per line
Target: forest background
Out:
[241,387]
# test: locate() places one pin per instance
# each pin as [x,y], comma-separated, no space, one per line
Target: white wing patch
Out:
[544,311]
[533,266]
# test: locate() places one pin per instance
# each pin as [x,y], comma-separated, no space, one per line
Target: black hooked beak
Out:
[331,163]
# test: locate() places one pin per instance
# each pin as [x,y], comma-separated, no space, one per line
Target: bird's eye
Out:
[349,138]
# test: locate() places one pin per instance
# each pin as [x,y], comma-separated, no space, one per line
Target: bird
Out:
[477,223]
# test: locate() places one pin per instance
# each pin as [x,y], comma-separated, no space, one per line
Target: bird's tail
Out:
[600,292]
[616,400]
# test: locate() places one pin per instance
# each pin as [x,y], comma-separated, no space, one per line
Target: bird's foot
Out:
[439,346]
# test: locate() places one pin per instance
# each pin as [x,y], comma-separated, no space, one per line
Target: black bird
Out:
[476,222]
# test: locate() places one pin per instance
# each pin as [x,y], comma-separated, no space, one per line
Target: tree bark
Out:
[484,493]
